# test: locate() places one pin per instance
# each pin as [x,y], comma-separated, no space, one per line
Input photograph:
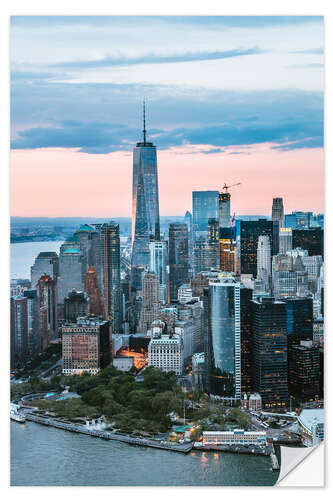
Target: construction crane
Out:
[225,187]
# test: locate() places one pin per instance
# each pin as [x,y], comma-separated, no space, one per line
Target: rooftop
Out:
[72,250]
[85,227]
[307,416]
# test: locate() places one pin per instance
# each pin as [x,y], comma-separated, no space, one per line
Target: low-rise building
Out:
[237,436]
[166,353]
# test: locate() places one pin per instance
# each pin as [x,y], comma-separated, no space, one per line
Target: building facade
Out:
[178,258]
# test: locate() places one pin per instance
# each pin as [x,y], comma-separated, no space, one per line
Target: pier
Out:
[103,434]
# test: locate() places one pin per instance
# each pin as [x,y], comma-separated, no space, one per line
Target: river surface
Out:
[22,256]
[45,456]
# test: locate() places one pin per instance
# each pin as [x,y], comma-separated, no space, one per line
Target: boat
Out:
[17,417]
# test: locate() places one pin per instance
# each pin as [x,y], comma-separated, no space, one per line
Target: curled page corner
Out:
[291,471]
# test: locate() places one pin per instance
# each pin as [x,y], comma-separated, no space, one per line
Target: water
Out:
[22,256]
[45,456]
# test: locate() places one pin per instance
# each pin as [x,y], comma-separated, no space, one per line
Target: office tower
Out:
[184,330]
[303,370]
[277,211]
[285,239]
[76,304]
[199,371]
[158,262]
[192,311]
[111,274]
[83,234]
[224,209]
[224,337]
[290,278]
[91,289]
[33,323]
[246,329]
[264,260]
[70,269]
[299,319]
[45,263]
[228,250]
[275,237]
[211,249]
[136,277]
[311,240]
[86,346]
[199,255]
[95,253]
[178,258]
[313,267]
[184,293]
[18,331]
[298,220]
[145,206]
[198,283]
[189,223]
[318,330]
[150,301]
[205,205]
[166,353]
[270,362]
[248,242]
[46,290]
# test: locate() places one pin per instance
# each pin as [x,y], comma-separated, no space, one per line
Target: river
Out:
[45,456]
[22,256]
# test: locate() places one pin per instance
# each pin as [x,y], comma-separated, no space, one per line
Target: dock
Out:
[108,435]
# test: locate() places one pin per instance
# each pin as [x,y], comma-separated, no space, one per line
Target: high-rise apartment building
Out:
[205,205]
[145,204]
[86,346]
[178,258]
[18,331]
[111,288]
[158,263]
[270,359]
[278,211]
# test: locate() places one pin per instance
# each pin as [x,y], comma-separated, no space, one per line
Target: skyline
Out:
[240,101]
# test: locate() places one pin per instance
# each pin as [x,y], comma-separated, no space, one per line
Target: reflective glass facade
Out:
[224,338]
[205,205]
[178,258]
[248,242]
[145,205]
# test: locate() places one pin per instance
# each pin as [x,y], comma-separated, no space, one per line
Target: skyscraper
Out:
[18,330]
[178,258]
[270,359]
[91,289]
[311,240]
[45,263]
[278,211]
[224,209]
[150,301]
[211,249]
[223,316]
[228,250]
[70,269]
[33,323]
[264,260]
[158,260]
[145,205]
[248,241]
[285,239]
[205,205]
[76,304]
[46,289]
[111,274]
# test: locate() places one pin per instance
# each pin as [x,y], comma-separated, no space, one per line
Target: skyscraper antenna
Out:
[144,122]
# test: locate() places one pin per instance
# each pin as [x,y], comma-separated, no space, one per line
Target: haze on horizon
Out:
[229,99]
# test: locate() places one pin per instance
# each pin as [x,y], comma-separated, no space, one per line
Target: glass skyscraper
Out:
[178,258]
[224,338]
[145,205]
[205,205]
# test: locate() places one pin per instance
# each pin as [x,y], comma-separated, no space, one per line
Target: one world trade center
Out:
[145,207]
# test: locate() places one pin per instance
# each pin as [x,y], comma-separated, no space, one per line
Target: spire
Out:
[144,122]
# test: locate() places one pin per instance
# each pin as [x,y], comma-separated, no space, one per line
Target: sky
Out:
[228,100]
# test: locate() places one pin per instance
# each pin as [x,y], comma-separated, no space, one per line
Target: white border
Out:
[138,7]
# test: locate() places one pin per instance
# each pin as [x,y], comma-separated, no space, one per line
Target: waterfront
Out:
[43,456]
[22,256]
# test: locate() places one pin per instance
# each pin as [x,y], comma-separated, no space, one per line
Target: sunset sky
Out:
[229,99]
